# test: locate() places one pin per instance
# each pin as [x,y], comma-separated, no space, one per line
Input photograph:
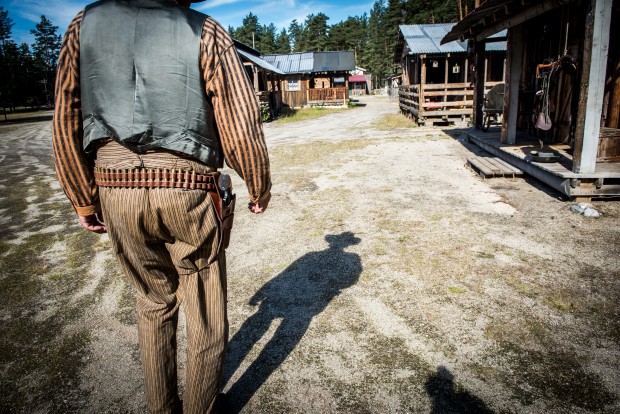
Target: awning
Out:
[260,62]
[357,78]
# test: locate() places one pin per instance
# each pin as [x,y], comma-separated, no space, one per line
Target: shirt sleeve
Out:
[237,111]
[73,165]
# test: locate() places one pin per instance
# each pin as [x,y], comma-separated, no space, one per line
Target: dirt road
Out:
[385,277]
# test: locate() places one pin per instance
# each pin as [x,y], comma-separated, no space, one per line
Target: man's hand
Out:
[93,223]
[256,208]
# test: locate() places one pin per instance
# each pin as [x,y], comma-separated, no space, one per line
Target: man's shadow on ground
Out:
[295,296]
[447,398]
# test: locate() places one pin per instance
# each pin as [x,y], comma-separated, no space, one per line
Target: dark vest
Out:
[141,81]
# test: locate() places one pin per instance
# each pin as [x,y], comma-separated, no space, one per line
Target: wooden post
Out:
[514,64]
[466,70]
[422,83]
[445,97]
[479,83]
[596,46]
[613,120]
[486,68]
[255,72]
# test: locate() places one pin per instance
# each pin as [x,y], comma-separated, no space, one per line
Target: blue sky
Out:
[27,13]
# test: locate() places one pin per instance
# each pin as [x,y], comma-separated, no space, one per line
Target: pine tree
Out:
[283,43]
[6,57]
[295,32]
[315,33]
[249,32]
[267,43]
[45,50]
[377,60]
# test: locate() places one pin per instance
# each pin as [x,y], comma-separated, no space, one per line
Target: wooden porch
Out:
[439,102]
[328,96]
[604,182]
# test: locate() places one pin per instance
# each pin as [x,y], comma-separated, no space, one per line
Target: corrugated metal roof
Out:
[292,63]
[426,39]
[312,62]
[260,62]
[334,61]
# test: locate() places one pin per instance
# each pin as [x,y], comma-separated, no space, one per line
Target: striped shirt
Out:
[235,107]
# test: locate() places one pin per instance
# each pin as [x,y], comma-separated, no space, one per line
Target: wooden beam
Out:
[466,70]
[422,82]
[514,64]
[479,83]
[596,47]
[520,17]
[613,120]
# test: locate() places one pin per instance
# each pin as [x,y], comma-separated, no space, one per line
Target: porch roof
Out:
[260,62]
[427,39]
[494,16]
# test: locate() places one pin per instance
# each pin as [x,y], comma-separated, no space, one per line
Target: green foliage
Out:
[315,33]
[265,113]
[283,43]
[20,77]
[45,50]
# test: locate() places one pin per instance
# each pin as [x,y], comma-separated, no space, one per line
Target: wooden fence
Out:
[443,101]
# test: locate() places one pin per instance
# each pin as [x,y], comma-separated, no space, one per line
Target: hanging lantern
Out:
[456,68]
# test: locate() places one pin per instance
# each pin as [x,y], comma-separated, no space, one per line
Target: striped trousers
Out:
[166,241]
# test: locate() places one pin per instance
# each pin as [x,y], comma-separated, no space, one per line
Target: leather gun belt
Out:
[154,178]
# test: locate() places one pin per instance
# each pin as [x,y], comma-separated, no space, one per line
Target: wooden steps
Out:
[493,167]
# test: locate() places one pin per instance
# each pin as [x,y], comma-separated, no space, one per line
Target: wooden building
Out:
[359,82]
[265,78]
[314,78]
[562,94]
[436,82]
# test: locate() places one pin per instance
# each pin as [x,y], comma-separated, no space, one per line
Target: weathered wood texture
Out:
[493,167]
[609,145]
[596,44]
[514,63]
[442,100]
[328,96]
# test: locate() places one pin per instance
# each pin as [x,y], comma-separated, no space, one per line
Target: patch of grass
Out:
[288,115]
[312,154]
[456,290]
[485,255]
[557,375]
[43,350]
[126,308]
[379,249]
[560,302]
[392,121]
[403,238]
[526,289]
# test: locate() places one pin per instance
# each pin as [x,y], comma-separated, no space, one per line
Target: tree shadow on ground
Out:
[448,399]
[294,297]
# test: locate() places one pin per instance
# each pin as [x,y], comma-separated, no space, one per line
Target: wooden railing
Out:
[327,95]
[438,100]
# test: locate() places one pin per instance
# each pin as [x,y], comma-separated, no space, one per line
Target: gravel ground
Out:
[385,277]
